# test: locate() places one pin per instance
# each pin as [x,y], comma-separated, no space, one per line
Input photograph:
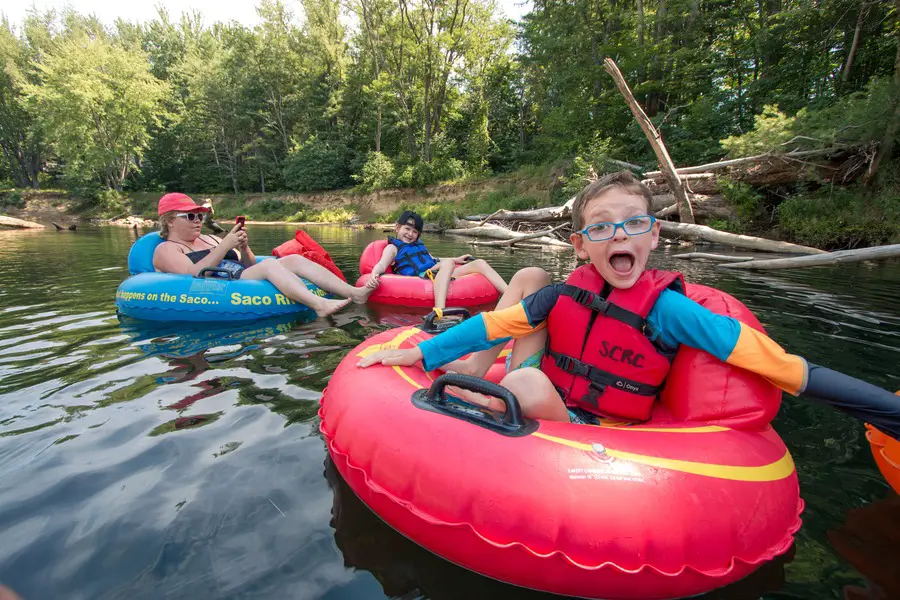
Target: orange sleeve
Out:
[757,352]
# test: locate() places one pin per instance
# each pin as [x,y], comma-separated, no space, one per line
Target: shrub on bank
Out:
[340,214]
[842,218]
[11,199]
[318,165]
[444,214]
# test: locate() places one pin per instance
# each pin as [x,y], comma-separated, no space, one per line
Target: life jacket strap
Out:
[601,305]
[601,379]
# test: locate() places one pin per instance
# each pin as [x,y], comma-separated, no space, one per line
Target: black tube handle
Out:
[513,415]
[428,325]
[214,271]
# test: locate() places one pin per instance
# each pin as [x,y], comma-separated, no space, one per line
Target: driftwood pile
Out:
[840,165]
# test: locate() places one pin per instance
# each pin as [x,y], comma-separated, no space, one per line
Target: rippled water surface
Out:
[185,462]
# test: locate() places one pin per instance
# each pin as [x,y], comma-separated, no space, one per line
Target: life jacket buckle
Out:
[566,363]
[590,300]
[595,390]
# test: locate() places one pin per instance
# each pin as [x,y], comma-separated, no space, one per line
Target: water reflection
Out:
[870,541]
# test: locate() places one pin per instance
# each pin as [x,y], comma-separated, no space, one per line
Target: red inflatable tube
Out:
[468,290]
[670,508]
[307,247]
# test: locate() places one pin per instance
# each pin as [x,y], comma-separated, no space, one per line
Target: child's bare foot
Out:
[361,294]
[466,366]
[477,399]
[329,307]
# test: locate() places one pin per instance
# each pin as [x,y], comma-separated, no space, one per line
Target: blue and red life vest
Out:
[599,354]
[412,259]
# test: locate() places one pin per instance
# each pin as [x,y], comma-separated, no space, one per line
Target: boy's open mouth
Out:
[621,262]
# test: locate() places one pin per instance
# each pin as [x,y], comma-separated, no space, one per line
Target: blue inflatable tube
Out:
[153,296]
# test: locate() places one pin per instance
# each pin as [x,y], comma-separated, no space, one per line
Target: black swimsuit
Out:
[230,263]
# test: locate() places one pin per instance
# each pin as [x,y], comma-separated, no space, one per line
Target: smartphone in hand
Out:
[240,221]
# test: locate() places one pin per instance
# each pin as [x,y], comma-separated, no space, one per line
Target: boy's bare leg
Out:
[481,266]
[524,283]
[442,282]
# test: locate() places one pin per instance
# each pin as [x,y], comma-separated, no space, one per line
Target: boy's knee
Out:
[532,275]
[526,379]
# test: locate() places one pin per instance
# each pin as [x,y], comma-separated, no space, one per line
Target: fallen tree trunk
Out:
[521,238]
[704,207]
[685,212]
[535,215]
[501,233]
[715,257]
[19,223]
[736,162]
[732,239]
[831,258]
[625,165]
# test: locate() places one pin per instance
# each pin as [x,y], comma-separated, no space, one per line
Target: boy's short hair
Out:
[623,180]
[408,216]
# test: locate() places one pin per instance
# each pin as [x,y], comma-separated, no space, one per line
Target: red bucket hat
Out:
[178,201]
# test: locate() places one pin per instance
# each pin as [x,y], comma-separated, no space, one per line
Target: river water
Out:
[185,462]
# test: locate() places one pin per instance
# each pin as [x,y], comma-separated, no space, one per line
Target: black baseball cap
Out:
[408,216]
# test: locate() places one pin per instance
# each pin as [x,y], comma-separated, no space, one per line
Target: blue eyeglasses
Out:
[599,232]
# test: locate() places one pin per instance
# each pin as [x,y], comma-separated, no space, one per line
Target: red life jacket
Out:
[599,356]
[307,247]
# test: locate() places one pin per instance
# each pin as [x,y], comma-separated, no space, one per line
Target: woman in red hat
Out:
[187,252]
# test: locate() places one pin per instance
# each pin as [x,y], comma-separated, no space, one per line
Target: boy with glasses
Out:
[600,344]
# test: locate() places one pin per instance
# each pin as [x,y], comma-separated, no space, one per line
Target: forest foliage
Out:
[325,94]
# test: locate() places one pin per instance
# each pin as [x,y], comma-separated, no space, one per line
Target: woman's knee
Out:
[292,261]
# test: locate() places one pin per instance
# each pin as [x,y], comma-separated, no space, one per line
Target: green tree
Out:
[21,139]
[97,102]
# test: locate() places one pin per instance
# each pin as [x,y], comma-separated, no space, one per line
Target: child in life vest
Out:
[407,255]
[609,328]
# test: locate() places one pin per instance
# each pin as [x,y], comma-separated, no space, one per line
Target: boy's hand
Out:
[463,259]
[392,358]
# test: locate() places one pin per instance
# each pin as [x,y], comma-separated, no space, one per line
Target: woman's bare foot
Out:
[361,294]
[329,307]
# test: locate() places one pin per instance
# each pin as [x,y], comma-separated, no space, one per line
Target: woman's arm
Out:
[168,258]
